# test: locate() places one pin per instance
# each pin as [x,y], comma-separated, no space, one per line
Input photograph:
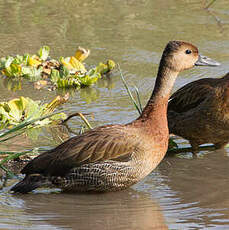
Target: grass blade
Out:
[9,173]
[13,156]
[138,98]
[24,124]
[129,92]
[10,157]
[210,4]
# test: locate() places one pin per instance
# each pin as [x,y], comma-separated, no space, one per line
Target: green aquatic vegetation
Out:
[74,74]
[63,73]
[17,110]
[137,104]
[15,131]
[210,3]
[43,53]
[22,127]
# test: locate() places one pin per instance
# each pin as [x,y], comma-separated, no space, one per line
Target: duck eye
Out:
[188,51]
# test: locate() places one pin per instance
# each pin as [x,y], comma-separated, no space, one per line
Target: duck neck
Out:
[158,101]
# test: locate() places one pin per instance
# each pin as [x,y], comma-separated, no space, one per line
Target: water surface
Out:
[183,192]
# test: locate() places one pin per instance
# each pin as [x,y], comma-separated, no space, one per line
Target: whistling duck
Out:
[199,112]
[114,157]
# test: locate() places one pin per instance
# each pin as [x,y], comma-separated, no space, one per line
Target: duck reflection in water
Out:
[128,209]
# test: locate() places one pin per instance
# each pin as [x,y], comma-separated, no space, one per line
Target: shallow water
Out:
[183,192]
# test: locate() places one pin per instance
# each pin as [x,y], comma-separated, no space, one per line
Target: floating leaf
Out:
[16,109]
[65,73]
[111,64]
[77,65]
[81,54]
[105,68]
[32,72]
[55,75]
[44,52]
[57,101]
[8,62]
[89,78]
[19,109]
[13,70]
[33,62]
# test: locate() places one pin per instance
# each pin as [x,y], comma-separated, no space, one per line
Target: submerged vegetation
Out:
[63,73]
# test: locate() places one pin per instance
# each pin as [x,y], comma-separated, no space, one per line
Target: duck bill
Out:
[206,61]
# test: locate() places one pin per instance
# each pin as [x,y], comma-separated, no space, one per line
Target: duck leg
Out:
[195,147]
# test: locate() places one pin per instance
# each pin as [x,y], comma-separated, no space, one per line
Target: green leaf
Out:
[15,110]
[129,92]
[44,52]
[59,116]
[13,70]
[105,68]
[32,72]
[32,109]
[8,62]
[64,71]
[55,75]
[26,59]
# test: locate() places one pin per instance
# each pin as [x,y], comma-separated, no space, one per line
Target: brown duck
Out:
[199,112]
[114,157]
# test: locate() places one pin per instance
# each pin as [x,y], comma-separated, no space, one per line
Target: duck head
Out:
[180,55]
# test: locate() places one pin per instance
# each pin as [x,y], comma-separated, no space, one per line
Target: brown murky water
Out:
[183,192]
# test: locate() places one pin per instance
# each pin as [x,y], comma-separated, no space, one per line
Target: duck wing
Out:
[113,142]
[191,95]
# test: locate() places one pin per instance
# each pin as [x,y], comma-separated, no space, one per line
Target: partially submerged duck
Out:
[114,157]
[199,112]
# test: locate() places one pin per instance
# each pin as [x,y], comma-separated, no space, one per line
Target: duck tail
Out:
[31,182]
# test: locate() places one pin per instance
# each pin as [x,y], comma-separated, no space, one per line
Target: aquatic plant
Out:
[211,2]
[27,124]
[15,131]
[63,73]
[17,110]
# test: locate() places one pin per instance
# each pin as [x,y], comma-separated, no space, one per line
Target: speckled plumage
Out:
[118,158]
[114,157]
[199,112]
